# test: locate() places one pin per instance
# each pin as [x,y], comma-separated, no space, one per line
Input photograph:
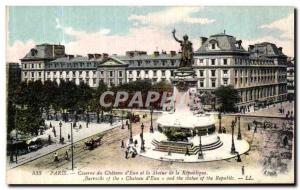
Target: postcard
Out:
[150,95]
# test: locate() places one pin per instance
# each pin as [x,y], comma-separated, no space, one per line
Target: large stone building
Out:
[259,73]
[291,75]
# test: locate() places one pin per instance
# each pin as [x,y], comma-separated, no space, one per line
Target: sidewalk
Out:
[78,134]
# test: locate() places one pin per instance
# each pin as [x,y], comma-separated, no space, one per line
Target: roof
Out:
[266,49]
[149,57]
[225,43]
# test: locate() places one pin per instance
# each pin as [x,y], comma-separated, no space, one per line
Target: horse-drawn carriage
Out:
[93,143]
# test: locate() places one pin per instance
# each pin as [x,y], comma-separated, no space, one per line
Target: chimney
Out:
[156,53]
[105,55]
[250,47]
[280,49]
[173,53]
[97,56]
[202,40]
[70,57]
[239,42]
[90,56]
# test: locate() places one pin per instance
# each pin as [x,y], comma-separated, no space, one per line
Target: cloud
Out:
[171,16]
[142,38]
[287,45]
[18,50]
[285,25]
[285,40]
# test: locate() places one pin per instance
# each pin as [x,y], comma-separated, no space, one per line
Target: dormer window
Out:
[213,46]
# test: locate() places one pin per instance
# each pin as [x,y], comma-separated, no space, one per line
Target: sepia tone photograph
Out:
[145,95]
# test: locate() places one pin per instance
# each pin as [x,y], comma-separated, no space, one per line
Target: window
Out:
[94,80]
[235,72]
[138,73]
[111,73]
[201,83]
[213,46]
[163,63]
[163,73]
[120,73]
[200,60]
[32,65]
[154,73]
[213,61]
[139,63]
[213,83]
[32,74]
[130,72]
[172,62]
[25,66]
[213,73]
[40,74]
[25,73]
[172,73]
[120,81]
[224,61]
[201,72]
[225,72]
[225,81]
[40,65]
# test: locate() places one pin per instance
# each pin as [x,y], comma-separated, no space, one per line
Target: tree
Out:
[227,98]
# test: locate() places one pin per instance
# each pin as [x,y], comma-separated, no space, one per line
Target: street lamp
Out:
[151,122]
[142,127]
[239,128]
[142,145]
[200,155]
[232,143]
[60,124]
[220,118]
[111,116]
[130,133]
[72,147]
[122,117]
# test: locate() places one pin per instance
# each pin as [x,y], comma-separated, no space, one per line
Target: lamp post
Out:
[232,143]
[130,133]
[200,155]
[239,137]
[220,119]
[142,127]
[151,122]
[122,117]
[111,116]
[72,147]
[60,124]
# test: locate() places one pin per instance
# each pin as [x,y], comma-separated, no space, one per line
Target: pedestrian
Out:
[80,127]
[55,157]
[67,155]
[87,124]
[243,170]
[135,142]
[54,131]
[255,129]
[50,125]
[126,154]
[49,139]
[122,144]
[187,152]
[249,128]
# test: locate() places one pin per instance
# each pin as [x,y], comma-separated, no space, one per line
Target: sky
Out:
[115,30]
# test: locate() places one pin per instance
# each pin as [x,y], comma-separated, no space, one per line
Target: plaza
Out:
[110,156]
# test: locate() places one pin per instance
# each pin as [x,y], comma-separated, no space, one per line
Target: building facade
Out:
[259,73]
[291,75]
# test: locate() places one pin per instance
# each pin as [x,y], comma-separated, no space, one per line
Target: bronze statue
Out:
[186,49]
